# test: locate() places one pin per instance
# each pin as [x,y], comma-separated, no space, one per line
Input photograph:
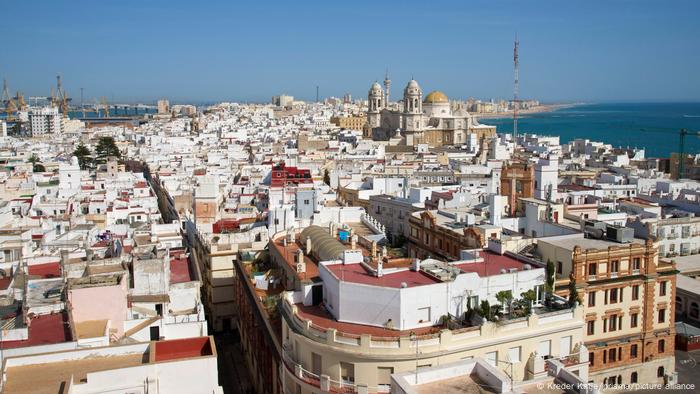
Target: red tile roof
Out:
[356,273]
[492,264]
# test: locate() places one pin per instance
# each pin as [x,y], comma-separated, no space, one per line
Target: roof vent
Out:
[404,285]
[503,270]
[527,267]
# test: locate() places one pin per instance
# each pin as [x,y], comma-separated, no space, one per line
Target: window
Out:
[636,264]
[316,363]
[560,267]
[633,377]
[306,202]
[591,327]
[384,377]
[614,267]
[347,372]
[491,358]
[662,288]
[662,346]
[605,325]
[635,292]
[591,298]
[662,315]
[423,315]
[514,354]
[633,320]
[613,296]
[565,346]
[612,323]
[591,358]
[660,372]
[633,351]
[612,355]
[694,310]
[592,269]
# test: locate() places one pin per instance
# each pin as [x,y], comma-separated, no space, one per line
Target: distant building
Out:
[45,120]
[3,128]
[349,122]
[430,121]
[163,107]
[283,175]
[282,100]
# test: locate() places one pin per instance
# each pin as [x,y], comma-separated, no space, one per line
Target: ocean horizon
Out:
[652,126]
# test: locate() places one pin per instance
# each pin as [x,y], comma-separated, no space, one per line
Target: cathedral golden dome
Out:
[436,96]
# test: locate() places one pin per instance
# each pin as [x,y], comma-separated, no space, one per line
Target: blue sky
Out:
[632,50]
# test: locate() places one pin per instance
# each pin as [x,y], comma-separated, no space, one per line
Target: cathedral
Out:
[433,120]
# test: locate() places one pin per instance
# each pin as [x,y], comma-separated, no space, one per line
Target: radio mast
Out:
[516,90]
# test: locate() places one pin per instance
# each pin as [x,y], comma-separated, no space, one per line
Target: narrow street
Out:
[233,373]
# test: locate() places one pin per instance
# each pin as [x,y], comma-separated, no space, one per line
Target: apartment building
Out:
[349,324]
[627,294]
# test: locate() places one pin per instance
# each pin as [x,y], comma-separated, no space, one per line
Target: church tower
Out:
[387,88]
[375,102]
[412,110]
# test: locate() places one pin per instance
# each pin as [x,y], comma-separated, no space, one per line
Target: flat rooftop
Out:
[44,330]
[91,328]
[180,270]
[356,273]
[569,242]
[492,265]
[45,271]
[320,317]
[456,385]
[52,378]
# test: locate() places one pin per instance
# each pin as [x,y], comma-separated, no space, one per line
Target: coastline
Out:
[535,110]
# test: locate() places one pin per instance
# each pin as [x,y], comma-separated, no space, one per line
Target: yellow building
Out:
[350,122]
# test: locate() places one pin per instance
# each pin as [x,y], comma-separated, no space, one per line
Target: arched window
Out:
[633,377]
[694,310]
[679,305]
[660,372]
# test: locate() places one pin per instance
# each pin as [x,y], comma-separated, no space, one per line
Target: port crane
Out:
[8,102]
[681,145]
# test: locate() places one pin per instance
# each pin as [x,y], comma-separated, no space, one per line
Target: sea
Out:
[652,126]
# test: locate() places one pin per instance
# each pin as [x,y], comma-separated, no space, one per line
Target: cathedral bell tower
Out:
[412,110]
[375,102]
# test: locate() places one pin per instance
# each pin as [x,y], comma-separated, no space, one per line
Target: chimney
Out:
[374,248]
[331,229]
[415,266]
[308,245]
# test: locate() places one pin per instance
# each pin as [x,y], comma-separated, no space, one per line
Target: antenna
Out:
[317,93]
[516,90]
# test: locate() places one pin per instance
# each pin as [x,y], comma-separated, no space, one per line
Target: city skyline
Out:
[626,51]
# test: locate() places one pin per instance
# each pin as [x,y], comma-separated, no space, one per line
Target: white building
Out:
[45,120]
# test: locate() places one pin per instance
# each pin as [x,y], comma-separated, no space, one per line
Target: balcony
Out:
[363,339]
[321,382]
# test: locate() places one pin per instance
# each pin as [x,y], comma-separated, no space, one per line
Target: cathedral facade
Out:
[431,120]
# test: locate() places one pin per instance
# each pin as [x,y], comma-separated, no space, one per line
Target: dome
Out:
[436,96]
[376,89]
[412,84]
